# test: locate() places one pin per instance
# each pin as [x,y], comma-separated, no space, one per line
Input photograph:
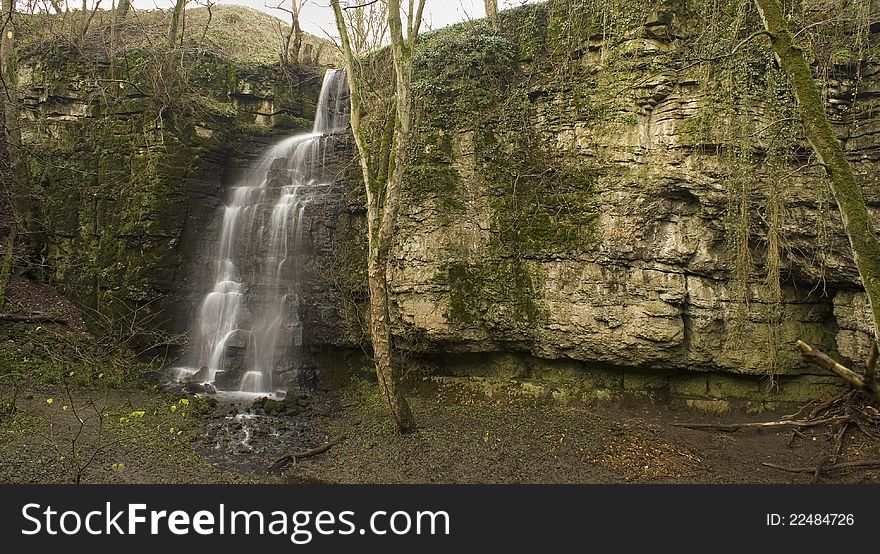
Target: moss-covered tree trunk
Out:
[19,185]
[383,186]
[6,266]
[857,220]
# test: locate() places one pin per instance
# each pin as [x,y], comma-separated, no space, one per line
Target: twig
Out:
[828,403]
[357,6]
[838,440]
[296,456]
[842,466]
[790,469]
[795,433]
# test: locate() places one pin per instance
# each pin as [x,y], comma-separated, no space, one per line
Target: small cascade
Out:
[248,330]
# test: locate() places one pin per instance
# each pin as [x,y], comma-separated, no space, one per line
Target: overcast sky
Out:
[318,17]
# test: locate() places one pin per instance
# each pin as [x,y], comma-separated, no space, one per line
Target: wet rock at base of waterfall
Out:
[211,403]
[227,380]
[200,376]
[199,388]
[268,406]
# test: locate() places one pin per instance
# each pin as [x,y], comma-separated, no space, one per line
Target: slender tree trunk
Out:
[20,186]
[382,215]
[113,18]
[492,13]
[84,23]
[176,15]
[380,333]
[857,221]
[297,31]
[297,42]
[123,7]
[6,267]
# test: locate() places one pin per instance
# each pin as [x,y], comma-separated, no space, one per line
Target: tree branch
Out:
[364,5]
[822,360]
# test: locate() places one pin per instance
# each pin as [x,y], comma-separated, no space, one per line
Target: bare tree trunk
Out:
[857,221]
[21,205]
[380,333]
[492,13]
[6,268]
[176,15]
[20,189]
[297,32]
[113,18]
[382,216]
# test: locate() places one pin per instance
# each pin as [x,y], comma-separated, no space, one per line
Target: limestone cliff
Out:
[602,188]
[603,183]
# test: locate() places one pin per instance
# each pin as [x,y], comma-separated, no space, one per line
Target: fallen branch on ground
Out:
[296,456]
[850,410]
[830,468]
[32,318]
[763,424]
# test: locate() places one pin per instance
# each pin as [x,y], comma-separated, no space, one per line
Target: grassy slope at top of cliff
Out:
[239,34]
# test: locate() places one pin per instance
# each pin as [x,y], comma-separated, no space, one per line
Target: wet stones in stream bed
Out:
[248,435]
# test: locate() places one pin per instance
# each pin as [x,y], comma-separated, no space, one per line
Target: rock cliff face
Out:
[599,191]
[587,192]
[132,175]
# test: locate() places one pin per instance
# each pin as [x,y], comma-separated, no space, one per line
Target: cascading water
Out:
[248,329]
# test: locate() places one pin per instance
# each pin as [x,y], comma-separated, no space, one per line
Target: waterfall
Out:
[248,330]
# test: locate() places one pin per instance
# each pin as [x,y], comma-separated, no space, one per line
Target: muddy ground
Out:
[153,436]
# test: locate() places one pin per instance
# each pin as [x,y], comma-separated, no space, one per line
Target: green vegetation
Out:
[502,292]
[247,37]
[47,355]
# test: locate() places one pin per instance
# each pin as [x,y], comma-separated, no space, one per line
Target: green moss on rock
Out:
[503,292]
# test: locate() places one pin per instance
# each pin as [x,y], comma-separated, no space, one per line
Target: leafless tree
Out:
[367,25]
[292,37]
[383,181]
